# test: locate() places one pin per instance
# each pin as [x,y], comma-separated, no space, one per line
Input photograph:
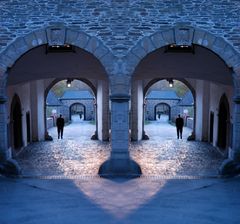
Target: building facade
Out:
[120,49]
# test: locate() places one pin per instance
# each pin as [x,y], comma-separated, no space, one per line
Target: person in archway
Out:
[60,126]
[179,126]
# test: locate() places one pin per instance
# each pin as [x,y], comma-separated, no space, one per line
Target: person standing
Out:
[179,126]
[60,126]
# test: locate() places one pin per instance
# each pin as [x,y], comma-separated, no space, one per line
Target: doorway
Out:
[16,120]
[223,119]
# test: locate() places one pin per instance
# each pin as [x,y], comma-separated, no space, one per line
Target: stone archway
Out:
[77,109]
[16,123]
[50,36]
[162,109]
[189,36]
[139,91]
[223,123]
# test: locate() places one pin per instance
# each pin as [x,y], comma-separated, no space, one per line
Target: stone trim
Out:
[184,35]
[54,35]
[119,98]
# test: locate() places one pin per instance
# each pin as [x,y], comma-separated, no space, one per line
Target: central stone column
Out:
[120,163]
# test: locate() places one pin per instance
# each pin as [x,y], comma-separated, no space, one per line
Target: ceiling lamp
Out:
[69,82]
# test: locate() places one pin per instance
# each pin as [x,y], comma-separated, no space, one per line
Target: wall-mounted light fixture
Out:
[174,48]
[69,82]
[59,48]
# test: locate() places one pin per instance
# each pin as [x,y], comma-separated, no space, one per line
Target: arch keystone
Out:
[56,35]
[183,35]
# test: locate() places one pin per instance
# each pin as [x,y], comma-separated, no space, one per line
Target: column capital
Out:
[120,98]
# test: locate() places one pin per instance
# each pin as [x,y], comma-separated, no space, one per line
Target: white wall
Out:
[23,91]
[216,92]
[100,109]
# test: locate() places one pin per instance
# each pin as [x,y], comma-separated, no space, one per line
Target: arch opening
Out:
[207,76]
[223,123]
[16,124]
[33,75]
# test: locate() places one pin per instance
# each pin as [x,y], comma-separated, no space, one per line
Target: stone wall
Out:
[151,104]
[119,24]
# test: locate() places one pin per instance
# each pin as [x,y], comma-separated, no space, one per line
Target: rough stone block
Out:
[101,51]
[107,61]
[31,40]
[20,46]
[132,62]
[208,40]
[92,44]
[82,40]
[5,61]
[71,36]
[168,36]
[41,37]
[219,45]
[234,61]
[139,51]
[11,53]
[158,40]
[198,37]
[147,44]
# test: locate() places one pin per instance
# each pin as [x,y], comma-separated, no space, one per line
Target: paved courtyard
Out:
[161,156]
[60,183]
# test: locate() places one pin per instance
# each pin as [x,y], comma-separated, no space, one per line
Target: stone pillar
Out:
[202,109]
[137,111]
[8,166]
[231,166]
[120,163]
[102,111]
[37,110]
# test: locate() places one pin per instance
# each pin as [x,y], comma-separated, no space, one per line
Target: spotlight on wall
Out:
[170,81]
[69,82]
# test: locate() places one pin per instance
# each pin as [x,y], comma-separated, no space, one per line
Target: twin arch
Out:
[112,64]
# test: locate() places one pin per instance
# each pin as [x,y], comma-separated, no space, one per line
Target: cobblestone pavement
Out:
[77,155]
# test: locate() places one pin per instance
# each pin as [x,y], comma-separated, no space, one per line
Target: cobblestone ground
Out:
[162,155]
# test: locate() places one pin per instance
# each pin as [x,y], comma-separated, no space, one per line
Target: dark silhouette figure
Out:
[179,126]
[60,125]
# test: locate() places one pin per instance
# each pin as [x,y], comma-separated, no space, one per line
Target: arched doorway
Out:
[223,123]
[162,109]
[16,121]
[78,109]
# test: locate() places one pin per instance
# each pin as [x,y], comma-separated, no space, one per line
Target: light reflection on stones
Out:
[80,156]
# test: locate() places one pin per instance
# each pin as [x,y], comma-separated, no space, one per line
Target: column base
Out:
[126,168]
[94,136]
[10,168]
[229,167]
